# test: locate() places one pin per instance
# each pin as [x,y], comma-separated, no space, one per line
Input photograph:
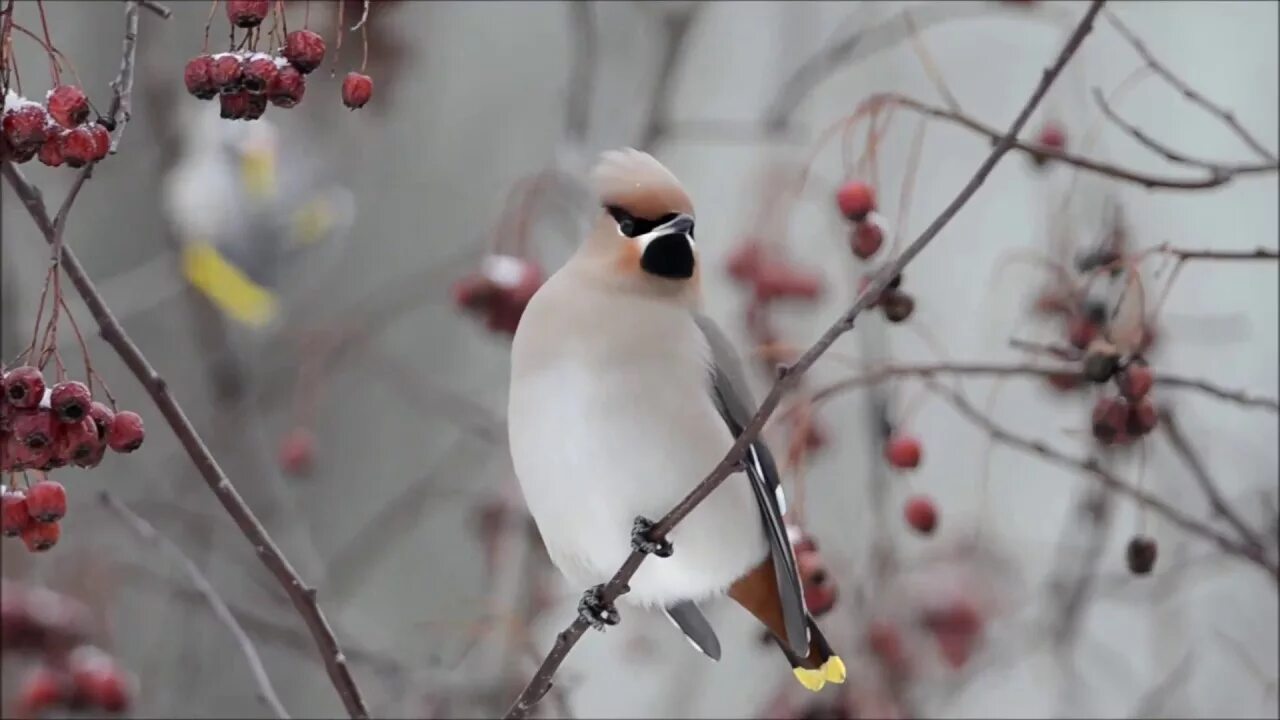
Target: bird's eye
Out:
[627,223]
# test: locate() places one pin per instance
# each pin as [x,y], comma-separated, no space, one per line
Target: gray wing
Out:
[695,627]
[730,391]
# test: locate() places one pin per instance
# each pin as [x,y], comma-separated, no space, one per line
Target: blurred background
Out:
[361,411]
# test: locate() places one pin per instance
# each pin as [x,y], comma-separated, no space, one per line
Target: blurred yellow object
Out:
[312,222]
[227,286]
[258,171]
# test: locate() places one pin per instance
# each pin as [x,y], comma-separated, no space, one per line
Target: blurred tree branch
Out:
[791,375]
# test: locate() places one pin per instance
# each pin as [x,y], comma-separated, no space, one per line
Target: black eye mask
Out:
[633,226]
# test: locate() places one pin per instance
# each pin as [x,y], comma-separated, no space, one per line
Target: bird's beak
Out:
[667,251]
[258,171]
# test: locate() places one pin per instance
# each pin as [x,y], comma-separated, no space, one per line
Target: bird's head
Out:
[641,237]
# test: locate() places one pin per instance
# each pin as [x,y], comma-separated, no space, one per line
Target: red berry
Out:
[1140,555]
[357,89]
[79,444]
[51,151]
[99,679]
[70,401]
[819,591]
[1110,416]
[101,141]
[126,432]
[79,147]
[198,76]
[866,239]
[226,72]
[35,429]
[1135,381]
[287,87]
[14,517]
[40,536]
[304,50]
[886,644]
[247,13]
[921,514]
[24,387]
[903,452]
[47,501]
[1064,381]
[1053,136]
[258,73]
[43,688]
[25,128]
[102,417]
[1142,418]
[68,105]
[256,106]
[234,106]
[297,452]
[897,305]
[745,260]
[855,200]
[1081,332]
[775,280]
[474,292]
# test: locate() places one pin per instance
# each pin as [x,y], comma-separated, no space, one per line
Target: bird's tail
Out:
[820,666]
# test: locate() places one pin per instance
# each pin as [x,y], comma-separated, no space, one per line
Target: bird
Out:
[623,395]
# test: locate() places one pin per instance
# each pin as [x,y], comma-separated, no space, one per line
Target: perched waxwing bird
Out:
[623,397]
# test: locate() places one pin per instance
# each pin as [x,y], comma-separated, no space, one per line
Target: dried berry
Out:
[51,151]
[25,128]
[79,147]
[99,679]
[287,87]
[1100,365]
[40,536]
[903,451]
[258,72]
[80,445]
[304,50]
[198,76]
[102,417]
[256,107]
[1135,381]
[226,72]
[47,501]
[234,106]
[14,517]
[101,140]
[126,432]
[866,239]
[855,199]
[24,387]
[70,401]
[247,13]
[1110,416]
[1140,555]
[1142,417]
[357,89]
[1081,332]
[898,306]
[68,105]
[921,514]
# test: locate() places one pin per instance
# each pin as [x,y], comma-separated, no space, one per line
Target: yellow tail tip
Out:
[812,680]
[833,669]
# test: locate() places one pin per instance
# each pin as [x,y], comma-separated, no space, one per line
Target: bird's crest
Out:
[638,183]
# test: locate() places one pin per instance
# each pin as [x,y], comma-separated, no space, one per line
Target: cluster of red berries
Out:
[857,203]
[771,276]
[500,291]
[45,428]
[245,82]
[72,674]
[56,132]
[1129,414]
[956,626]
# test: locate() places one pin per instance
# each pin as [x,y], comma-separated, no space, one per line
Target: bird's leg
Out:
[595,610]
[640,541]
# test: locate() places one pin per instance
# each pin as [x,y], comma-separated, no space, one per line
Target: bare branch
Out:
[1091,466]
[1182,446]
[158,8]
[1184,254]
[540,683]
[1189,92]
[1151,143]
[677,32]
[582,21]
[148,533]
[302,596]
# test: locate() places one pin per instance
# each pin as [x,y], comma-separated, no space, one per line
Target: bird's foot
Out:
[595,610]
[640,541]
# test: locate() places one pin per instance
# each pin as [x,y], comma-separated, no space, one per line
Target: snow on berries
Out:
[57,132]
[500,291]
[44,428]
[245,81]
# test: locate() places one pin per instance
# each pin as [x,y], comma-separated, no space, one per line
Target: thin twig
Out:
[1213,178]
[677,31]
[158,8]
[1091,466]
[1151,143]
[302,596]
[790,376]
[1260,253]
[582,21]
[364,17]
[147,532]
[1189,92]
[1213,494]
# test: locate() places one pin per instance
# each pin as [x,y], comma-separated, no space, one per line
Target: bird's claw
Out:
[595,610]
[640,541]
